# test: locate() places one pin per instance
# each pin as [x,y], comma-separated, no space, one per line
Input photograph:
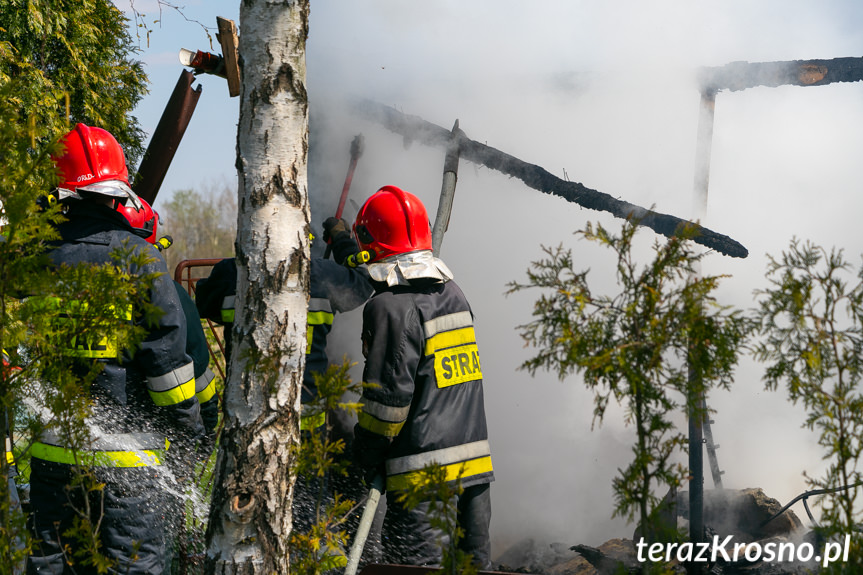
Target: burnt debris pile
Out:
[744,533]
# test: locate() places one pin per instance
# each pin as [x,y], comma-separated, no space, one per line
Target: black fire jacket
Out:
[151,391]
[333,288]
[196,348]
[426,402]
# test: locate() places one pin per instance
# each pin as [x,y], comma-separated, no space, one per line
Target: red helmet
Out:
[141,216]
[92,156]
[392,221]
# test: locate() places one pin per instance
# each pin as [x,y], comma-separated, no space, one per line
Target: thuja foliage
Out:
[24,176]
[811,322]
[321,506]
[656,347]
[44,310]
[60,63]
[73,61]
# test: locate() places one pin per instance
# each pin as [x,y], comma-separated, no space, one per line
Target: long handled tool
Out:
[356,152]
[365,525]
[447,191]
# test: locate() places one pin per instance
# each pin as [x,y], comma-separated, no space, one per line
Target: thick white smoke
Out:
[603,94]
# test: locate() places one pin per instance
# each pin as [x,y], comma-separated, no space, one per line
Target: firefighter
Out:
[333,288]
[196,348]
[424,404]
[142,216]
[140,401]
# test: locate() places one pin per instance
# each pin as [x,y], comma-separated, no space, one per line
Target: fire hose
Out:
[806,495]
[365,525]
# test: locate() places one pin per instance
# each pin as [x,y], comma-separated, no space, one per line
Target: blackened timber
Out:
[742,75]
[415,128]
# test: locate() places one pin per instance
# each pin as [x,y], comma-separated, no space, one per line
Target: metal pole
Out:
[166,138]
[696,400]
[703,148]
[447,192]
[702,181]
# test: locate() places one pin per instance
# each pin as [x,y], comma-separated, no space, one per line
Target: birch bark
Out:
[250,516]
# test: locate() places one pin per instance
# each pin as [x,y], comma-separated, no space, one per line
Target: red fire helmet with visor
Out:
[392,221]
[93,162]
[141,216]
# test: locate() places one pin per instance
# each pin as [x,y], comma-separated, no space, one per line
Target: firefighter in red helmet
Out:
[141,216]
[141,399]
[425,404]
[145,221]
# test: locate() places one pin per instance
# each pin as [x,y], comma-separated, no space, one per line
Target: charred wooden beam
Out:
[742,75]
[415,128]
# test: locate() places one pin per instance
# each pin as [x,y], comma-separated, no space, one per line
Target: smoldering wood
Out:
[742,75]
[414,128]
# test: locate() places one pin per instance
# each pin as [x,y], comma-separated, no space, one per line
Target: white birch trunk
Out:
[250,517]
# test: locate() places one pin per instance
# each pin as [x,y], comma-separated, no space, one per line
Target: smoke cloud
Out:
[604,94]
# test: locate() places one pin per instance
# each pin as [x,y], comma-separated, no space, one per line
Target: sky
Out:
[602,93]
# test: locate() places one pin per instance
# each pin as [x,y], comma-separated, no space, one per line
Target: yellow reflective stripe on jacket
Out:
[205,386]
[447,322]
[79,346]
[310,422]
[449,339]
[228,309]
[57,454]
[76,307]
[320,318]
[319,312]
[382,419]
[320,305]
[443,456]
[453,471]
[173,387]
[310,335]
[385,428]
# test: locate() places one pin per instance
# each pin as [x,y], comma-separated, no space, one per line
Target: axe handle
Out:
[347,187]
[356,152]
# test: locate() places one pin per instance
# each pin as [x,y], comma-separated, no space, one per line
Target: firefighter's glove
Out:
[335,227]
[369,453]
[370,473]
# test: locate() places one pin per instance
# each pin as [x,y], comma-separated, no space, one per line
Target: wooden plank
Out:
[230,42]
